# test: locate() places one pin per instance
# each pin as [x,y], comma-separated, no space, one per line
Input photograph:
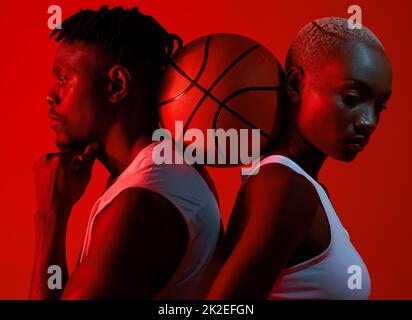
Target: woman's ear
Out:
[119,83]
[294,83]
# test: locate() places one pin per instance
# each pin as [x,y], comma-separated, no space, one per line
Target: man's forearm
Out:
[50,250]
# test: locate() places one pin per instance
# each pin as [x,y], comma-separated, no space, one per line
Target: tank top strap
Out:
[325,201]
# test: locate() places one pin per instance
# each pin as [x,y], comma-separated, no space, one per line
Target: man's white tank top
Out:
[337,273]
[184,187]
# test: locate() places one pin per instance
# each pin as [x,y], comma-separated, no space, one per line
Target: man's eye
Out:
[61,80]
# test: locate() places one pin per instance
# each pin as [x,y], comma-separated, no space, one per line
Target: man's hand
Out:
[61,178]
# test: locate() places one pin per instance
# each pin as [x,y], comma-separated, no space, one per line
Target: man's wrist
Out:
[55,218]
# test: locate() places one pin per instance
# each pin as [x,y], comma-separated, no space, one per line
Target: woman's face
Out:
[341,103]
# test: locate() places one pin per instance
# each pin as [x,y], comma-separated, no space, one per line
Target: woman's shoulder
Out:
[275,207]
[279,186]
[281,176]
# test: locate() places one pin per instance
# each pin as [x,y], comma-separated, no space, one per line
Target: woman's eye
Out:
[350,99]
[380,107]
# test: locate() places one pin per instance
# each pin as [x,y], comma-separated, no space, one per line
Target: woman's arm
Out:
[280,205]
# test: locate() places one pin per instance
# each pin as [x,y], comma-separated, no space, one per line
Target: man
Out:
[153,232]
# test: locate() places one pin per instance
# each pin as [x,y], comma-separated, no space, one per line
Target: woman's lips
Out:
[356,147]
[357,143]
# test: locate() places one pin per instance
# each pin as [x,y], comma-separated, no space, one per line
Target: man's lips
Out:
[55,120]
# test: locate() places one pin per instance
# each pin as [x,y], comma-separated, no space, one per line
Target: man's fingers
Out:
[78,161]
[89,154]
[49,155]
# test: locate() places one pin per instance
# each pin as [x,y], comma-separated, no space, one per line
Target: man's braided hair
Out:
[128,36]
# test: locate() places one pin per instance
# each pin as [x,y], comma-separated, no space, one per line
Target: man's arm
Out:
[138,243]
[50,249]
[60,181]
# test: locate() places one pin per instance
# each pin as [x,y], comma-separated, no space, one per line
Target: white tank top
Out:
[184,187]
[337,273]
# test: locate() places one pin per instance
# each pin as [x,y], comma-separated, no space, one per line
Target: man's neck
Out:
[119,150]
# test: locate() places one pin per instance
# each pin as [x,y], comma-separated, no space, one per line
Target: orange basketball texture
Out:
[221,81]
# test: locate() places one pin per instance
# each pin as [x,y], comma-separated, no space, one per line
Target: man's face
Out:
[342,102]
[79,112]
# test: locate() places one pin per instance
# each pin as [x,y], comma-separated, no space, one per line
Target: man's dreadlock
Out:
[128,36]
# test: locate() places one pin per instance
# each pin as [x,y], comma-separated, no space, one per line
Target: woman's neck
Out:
[301,151]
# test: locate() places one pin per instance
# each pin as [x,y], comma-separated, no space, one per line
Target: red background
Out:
[370,195]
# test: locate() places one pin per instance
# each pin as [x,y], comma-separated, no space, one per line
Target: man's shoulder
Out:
[139,201]
[177,177]
[138,236]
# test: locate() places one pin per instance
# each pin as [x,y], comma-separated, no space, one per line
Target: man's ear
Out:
[119,83]
[294,83]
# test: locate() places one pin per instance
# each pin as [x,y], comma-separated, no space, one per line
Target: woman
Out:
[284,239]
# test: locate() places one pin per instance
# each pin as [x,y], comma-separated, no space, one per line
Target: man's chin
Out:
[74,145]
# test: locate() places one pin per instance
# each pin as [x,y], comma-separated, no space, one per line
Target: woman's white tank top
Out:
[337,273]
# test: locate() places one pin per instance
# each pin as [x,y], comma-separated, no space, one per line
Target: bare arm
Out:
[60,180]
[50,249]
[138,243]
[280,206]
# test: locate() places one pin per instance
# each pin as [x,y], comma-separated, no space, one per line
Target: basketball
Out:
[223,83]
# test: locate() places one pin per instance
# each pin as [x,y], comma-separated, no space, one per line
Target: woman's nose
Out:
[366,122]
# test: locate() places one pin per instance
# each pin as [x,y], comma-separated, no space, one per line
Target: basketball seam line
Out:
[214,98]
[239,92]
[199,74]
[233,95]
[215,83]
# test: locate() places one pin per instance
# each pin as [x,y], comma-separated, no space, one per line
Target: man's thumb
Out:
[89,154]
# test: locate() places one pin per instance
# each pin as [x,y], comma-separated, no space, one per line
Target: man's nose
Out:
[52,99]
